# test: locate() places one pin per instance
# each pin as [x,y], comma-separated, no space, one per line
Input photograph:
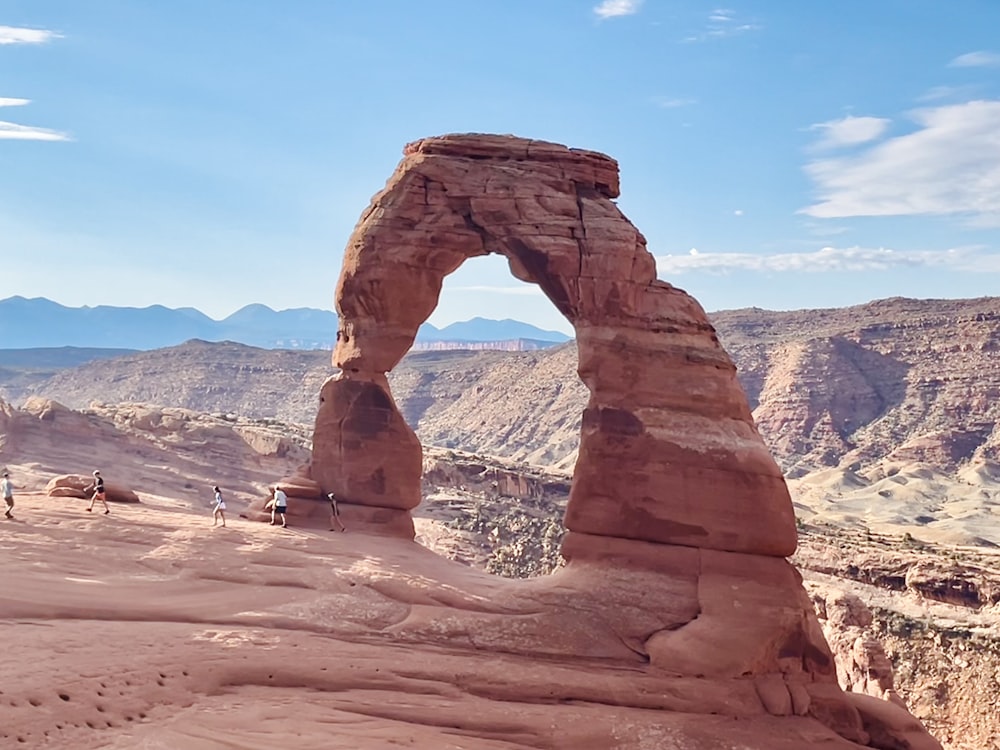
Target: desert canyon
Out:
[669,610]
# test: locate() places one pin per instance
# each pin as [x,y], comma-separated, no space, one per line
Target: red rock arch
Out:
[668,453]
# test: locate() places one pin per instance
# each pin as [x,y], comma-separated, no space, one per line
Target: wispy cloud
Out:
[721,15]
[16,35]
[849,131]
[824,228]
[937,93]
[616,8]
[667,102]
[723,23]
[828,259]
[979,59]
[11,131]
[949,166]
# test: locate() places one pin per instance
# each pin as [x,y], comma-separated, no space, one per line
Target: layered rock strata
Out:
[673,490]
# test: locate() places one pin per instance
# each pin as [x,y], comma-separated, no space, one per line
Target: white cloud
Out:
[13,131]
[15,35]
[850,131]
[666,102]
[722,23]
[937,93]
[829,259]
[949,166]
[979,59]
[738,212]
[615,8]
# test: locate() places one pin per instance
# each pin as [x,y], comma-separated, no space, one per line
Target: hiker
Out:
[220,507]
[279,505]
[98,488]
[335,513]
[8,494]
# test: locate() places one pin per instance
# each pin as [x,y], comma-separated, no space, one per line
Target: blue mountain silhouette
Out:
[40,322]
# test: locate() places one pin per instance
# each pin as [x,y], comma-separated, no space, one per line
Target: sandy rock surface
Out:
[149,628]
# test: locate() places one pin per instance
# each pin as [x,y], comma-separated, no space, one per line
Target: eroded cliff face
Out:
[675,497]
[870,388]
[895,381]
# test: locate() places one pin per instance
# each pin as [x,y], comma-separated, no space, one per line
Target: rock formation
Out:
[862,664]
[74,485]
[45,442]
[668,440]
[679,519]
[861,388]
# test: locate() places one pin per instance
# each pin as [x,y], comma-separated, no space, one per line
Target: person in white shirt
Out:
[279,506]
[220,506]
[8,494]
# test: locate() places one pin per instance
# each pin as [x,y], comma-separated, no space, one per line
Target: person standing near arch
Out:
[279,506]
[335,513]
[99,494]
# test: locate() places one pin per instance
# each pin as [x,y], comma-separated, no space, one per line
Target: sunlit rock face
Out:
[679,519]
[669,452]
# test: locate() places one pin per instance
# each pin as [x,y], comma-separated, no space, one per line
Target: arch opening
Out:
[498,423]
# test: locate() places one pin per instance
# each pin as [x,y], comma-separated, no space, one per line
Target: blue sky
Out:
[775,154]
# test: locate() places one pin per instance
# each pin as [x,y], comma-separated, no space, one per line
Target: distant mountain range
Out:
[39,322]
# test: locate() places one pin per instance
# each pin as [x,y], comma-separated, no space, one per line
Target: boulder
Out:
[75,485]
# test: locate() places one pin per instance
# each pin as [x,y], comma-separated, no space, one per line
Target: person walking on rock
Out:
[335,513]
[279,506]
[98,488]
[7,490]
[219,509]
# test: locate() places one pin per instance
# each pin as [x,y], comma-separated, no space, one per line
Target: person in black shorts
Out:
[98,488]
[335,513]
[279,506]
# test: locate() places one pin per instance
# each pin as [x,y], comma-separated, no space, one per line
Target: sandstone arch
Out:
[678,519]
[668,453]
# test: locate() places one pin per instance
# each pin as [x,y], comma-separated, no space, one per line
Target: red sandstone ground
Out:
[148,628]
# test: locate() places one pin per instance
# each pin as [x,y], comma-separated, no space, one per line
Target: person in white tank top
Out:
[218,510]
